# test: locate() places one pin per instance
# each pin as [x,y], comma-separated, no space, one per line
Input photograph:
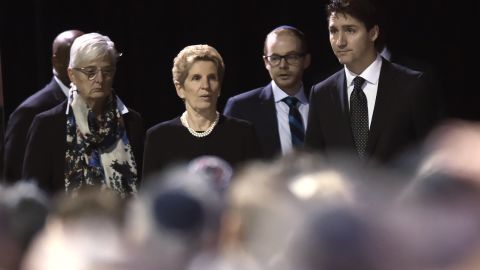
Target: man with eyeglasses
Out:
[278,110]
[54,93]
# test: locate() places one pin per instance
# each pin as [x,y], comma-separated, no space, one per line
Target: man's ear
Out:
[374,33]
[307,61]
[266,63]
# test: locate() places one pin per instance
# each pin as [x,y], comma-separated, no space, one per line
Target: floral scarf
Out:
[98,150]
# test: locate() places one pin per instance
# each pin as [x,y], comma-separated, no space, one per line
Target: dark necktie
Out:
[295,121]
[359,116]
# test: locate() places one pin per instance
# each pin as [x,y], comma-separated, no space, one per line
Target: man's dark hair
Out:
[365,11]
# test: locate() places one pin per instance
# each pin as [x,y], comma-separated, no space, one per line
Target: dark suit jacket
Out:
[405,111]
[258,107]
[46,147]
[19,122]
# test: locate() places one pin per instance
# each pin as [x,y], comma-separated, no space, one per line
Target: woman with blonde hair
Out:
[198,72]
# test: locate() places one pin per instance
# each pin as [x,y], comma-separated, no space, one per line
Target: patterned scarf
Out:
[98,150]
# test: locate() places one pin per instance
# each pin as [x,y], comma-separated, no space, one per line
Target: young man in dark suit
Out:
[372,108]
[285,57]
[51,95]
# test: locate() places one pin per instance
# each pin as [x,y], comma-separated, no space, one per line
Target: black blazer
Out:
[46,147]
[258,107]
[19,122]
[405,112]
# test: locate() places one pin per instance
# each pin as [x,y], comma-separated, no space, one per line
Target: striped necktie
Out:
[359,116]
[297,129]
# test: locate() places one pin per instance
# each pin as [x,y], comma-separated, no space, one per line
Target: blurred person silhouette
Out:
[437,214]
[91,139]
[436,223]
[23,211]
[82,233]
[433,224]
[338,238]
[54,93]
[10,250]
[286,57]
[174,219]
[435,227]
[218,171]
[454,149]
[372,108]
[267,204]
[254,202]
[198,72]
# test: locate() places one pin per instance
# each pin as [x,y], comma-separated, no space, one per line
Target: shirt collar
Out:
[371,74]
[120,105]
[63,87]
[279,94]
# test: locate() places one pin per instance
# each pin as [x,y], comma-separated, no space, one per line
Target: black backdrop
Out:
[151,33]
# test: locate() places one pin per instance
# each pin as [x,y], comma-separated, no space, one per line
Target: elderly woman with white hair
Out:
[92,139]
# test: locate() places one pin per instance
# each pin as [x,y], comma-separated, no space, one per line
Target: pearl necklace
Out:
[209,130]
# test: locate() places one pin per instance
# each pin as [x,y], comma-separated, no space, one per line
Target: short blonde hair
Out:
[191,54]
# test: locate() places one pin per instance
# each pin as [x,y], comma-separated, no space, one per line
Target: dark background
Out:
[151,33]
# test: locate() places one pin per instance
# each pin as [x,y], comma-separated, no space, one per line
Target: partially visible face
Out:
[60,63]
[99,86]
[61,54]
[353,45]
[287,76]
[201,87]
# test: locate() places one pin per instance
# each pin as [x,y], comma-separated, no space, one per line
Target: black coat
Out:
[46,147]
[19,122]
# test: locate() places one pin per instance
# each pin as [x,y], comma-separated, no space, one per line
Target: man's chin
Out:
[283,85]
[343,59]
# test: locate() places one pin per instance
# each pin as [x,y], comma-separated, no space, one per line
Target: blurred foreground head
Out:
[218,171]
[437,216]
[175,216]
[81,233]
[268,203]
[23,210]
[454,149]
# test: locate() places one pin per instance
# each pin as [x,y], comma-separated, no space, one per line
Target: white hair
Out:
[91,46]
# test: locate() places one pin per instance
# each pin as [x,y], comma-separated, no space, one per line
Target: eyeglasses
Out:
[291,59]
[91,72]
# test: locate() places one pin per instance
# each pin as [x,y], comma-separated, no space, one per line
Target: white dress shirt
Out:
[371,75]
[282,115]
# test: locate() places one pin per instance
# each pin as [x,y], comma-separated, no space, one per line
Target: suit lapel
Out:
[380,118]
[340,97]
[268,115]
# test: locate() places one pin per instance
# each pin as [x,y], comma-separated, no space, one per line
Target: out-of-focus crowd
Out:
[297,212]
